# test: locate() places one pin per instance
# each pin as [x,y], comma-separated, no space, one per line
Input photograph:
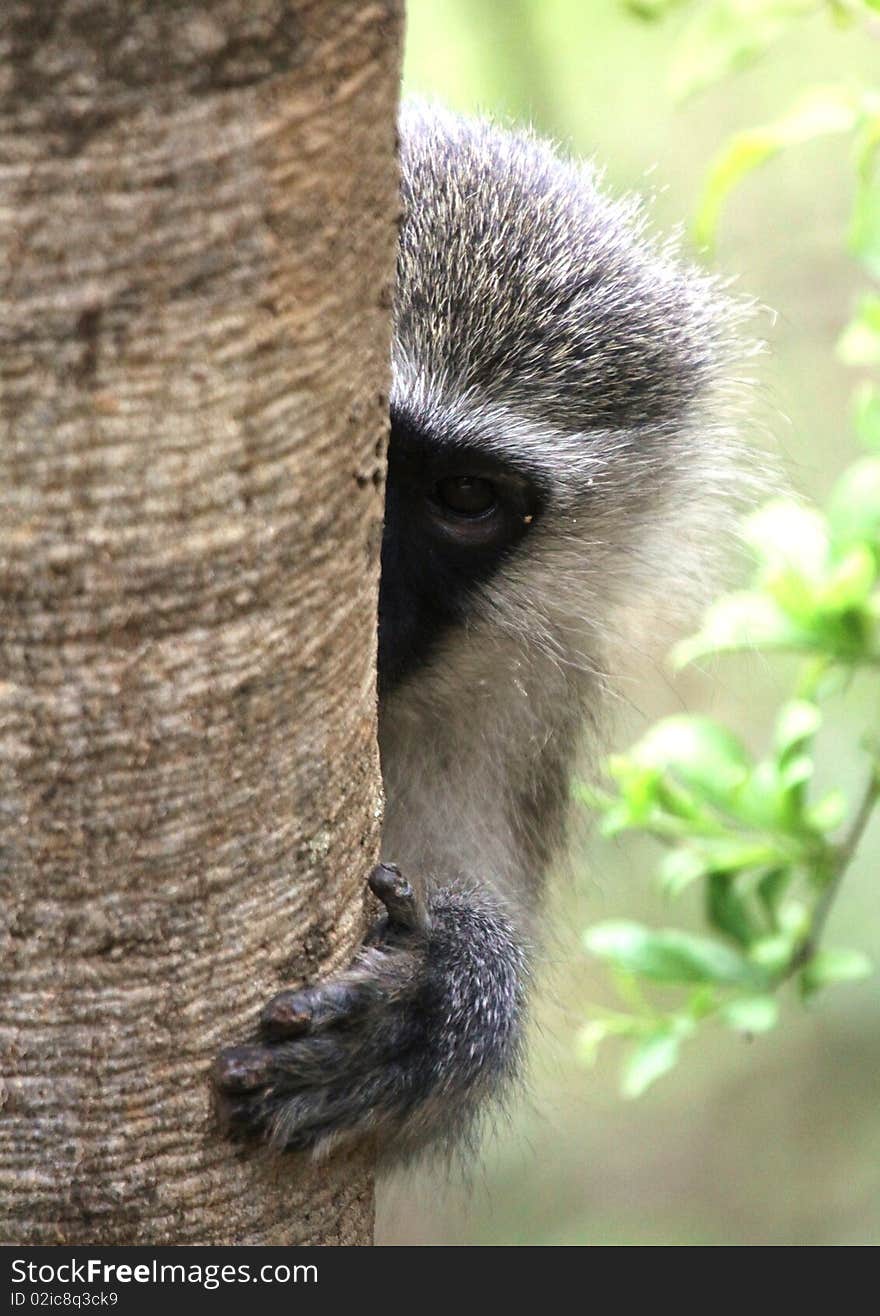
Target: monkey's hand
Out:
[402,1046]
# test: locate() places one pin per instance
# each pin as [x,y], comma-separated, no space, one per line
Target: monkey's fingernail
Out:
[242,1068]
[238,1115]
[406,909]
[286,1015]
[386,880]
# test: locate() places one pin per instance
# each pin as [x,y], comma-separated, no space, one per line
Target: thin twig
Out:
[843,857]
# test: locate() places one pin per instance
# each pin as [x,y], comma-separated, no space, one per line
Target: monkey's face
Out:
[453,515]
[552,364]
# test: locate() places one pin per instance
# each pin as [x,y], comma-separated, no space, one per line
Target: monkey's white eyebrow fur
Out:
[500,431]
[568,463]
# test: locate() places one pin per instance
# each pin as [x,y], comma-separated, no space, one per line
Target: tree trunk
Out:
[197,206]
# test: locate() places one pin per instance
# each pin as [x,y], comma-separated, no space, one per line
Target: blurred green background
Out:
[775,1141]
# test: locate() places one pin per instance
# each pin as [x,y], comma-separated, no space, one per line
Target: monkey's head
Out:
[561,411]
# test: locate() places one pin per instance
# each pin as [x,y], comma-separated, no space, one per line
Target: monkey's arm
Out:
[403,1046]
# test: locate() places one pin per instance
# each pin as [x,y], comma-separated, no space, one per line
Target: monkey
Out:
[564,456]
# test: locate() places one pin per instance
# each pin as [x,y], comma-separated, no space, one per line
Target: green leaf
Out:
[772,888]
[773,953]
[831,966]
[815,596]
[859,344]
[794,920]
[667,955]
[703,856]
[679,868]
[648,1061]
[864,232]
[789,538]
[726,909]
[764,803]
[742,620]
[854,507]
[864,228]
[650,10]
[820,112]
[866,412]
[850,583]
[727,36]
[733,853]
[702,1001]
[589,1039]
[827,814]
[750,1014]
[798,721]
[618,817]
[638,792]
[795,774]
[698,751]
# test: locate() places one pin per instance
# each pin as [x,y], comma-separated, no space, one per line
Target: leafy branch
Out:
[769,856]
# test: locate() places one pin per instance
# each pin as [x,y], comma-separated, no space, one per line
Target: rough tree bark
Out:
[197,207]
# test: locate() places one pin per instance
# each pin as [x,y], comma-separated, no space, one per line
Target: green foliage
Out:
[767,853]
[721,38]
[859,344]
[820,112]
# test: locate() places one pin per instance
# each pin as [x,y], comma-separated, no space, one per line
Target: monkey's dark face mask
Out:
[453,516]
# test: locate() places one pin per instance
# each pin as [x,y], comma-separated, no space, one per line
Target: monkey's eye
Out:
[466,495]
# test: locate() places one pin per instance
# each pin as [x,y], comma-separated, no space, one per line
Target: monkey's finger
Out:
[243,1068]
[406,909]
[292,1013]
[240,1116]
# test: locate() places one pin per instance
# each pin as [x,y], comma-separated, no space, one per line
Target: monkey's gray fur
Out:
[562,470]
